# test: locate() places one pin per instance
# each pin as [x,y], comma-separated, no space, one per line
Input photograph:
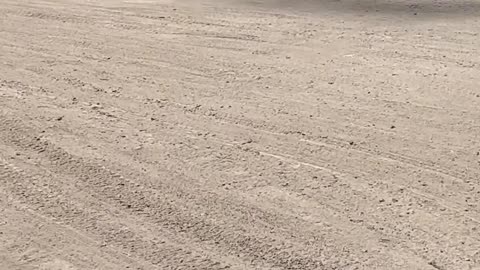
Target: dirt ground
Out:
[239,134]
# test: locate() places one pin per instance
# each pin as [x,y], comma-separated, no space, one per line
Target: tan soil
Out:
[239,134]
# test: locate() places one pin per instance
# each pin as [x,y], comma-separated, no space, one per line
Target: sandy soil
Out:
[239,134]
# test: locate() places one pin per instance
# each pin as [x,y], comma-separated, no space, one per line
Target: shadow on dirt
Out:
[418,9]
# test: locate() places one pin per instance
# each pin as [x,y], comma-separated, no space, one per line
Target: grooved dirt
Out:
[239,134]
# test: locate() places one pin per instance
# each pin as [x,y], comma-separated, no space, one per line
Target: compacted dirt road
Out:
[239,135]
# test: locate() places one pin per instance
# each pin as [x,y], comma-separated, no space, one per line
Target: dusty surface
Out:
[239,135]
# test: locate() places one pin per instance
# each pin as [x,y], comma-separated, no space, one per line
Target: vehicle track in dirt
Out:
[239,135]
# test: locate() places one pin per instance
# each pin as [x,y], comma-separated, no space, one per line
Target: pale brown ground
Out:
[240,135]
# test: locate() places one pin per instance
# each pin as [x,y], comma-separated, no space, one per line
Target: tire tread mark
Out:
[266,128]
[125,193]
[42,198]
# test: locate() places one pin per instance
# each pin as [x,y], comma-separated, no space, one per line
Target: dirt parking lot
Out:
[239,134]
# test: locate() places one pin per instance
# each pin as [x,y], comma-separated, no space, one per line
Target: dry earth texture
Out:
[239,134]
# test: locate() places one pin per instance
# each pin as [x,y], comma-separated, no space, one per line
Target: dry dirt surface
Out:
[239,134]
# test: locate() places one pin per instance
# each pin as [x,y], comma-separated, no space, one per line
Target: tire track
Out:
[393,228]
[419,198]
[372,195]
[265,127]
[51,206]
[37,233]
[224,160]
[333,144]
[42,198]
[122,192]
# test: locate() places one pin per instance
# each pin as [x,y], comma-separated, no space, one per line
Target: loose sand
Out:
[239,134]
